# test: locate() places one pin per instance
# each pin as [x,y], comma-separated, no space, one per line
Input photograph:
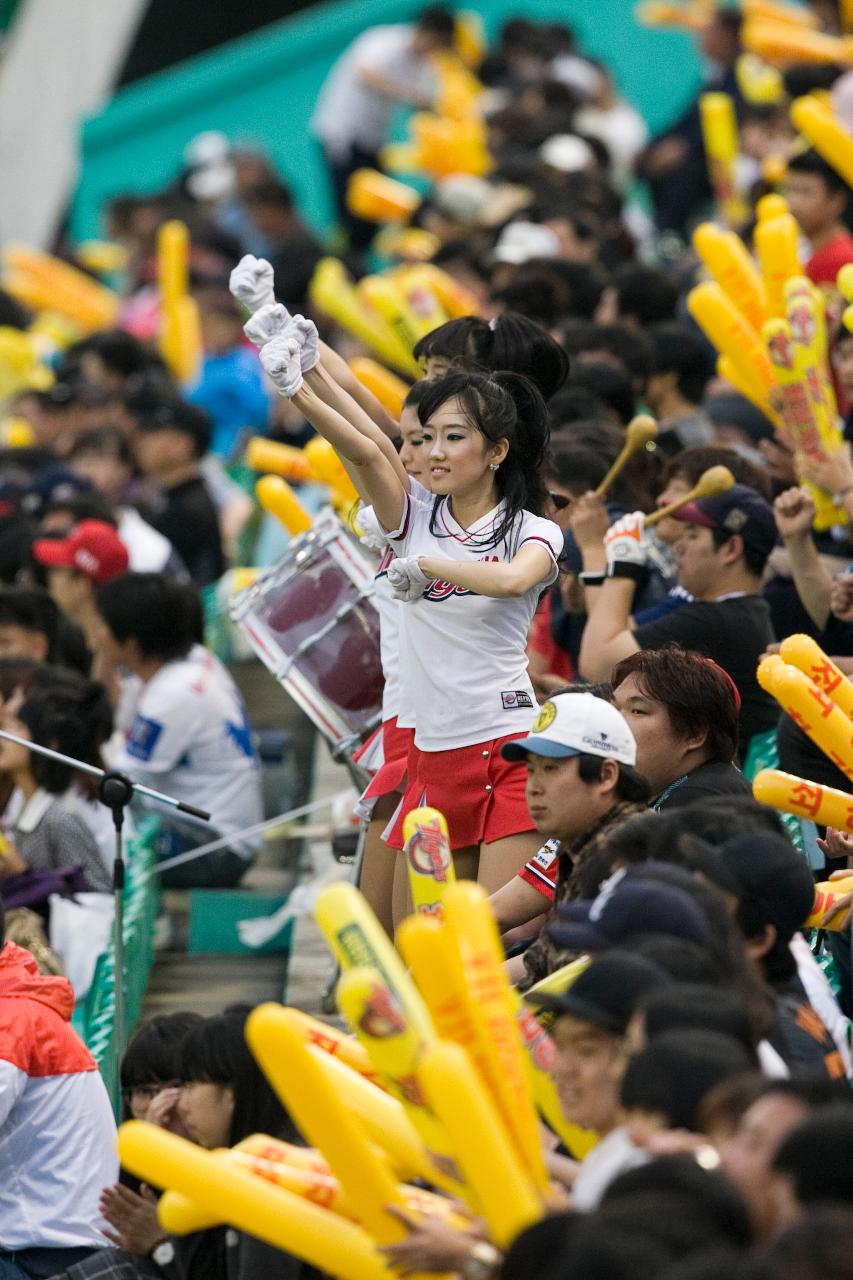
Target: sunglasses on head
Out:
[559,500]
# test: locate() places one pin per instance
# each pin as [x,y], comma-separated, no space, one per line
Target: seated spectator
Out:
[170,442]
[721,557]
[31,626]
[190,737]
[57,1133]
[819,199]
[682,710]
[105,459]
[44,827]
[91,554]
[294,251]
[675,387]
[230,384]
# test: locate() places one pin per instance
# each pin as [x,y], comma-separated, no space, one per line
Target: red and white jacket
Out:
[57,1132]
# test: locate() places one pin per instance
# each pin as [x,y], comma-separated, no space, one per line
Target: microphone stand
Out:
[116,791]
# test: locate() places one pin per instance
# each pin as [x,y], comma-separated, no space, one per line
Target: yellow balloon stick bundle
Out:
[276,497]
[429,860]
[454,299]
[776,241]
[389,389]
[332,291]
[357,939]
[338,1045]
[323,1116]
[720,136]
[470,921]
[395,1049]
[725,257]
[729,331]
[817,122]
[46,283]
[784,42]
[279,1217]
[384,295]
[810,708]
[487,1155]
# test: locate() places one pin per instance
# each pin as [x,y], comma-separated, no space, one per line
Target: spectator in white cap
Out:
[581,783]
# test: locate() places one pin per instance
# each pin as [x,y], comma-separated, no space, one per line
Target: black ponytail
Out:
[503,406]
[510,342]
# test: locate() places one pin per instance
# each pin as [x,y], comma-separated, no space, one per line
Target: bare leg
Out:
[377,868]
[503,859]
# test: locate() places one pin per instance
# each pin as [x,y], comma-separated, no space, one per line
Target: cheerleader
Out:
[471,565]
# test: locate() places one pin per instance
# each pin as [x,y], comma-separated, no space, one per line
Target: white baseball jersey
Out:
[464,658]
[191,739]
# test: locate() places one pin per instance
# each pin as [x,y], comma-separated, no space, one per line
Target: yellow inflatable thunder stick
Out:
[279,1217]
[778,256]
[661,13]
[48,284]
[825,806]
[323,1116]
[375,197]
[180,331]
[276,496]
[429,860]
[719,134]
[751,390]
[806,654]
[453,297]
[389,390]
[486,1153]
[332,1041]
[357,938]
[726,328]
[826,133]
[783,42]
[281,459]
[395,1048]
[333,293]
[775,12]
[385,296]
[470,920]
[327,467]
[726,259]
[810,708]
[429,950]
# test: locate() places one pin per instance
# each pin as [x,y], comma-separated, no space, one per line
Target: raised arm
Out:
[794,511]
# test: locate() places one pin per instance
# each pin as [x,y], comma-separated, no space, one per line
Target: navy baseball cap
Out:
[608,992]
[763,870]
[740,510]
[624,908]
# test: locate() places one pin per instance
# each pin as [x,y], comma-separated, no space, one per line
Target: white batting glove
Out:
[280,359]
[268,322]
[408,581]
[251,282]
[306,333]
[625,545]
[372,534]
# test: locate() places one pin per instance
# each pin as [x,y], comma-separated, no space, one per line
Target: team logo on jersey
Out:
[439,590]
[143,737]
[547,716]
[512,698]
[547,855]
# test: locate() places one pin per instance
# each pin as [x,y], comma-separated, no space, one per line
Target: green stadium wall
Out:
[261,89]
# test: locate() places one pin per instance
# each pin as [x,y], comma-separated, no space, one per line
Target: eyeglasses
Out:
[559,500]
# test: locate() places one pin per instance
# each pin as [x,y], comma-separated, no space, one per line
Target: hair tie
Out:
[493,323]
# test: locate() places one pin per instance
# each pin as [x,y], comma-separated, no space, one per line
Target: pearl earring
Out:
[493,466]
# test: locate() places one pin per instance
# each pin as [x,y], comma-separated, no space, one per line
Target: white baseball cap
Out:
[576,724]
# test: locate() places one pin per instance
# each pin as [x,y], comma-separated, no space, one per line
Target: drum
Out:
[312,622]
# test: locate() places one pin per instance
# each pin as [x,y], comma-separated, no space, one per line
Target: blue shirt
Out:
[231,388]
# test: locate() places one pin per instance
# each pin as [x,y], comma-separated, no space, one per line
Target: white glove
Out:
[268,322]
[280,359]
[408,581]
[306,333]
[251,282]
[625,542]
[372,533]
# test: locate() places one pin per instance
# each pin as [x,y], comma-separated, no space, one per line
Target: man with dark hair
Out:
[385,67]
[683,712]
[819,199]
[674,389]
[721,557]
[172,437]
[581,783]
[190,736]
[57,1133]
[770,892]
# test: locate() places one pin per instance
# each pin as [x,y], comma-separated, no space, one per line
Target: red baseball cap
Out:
[93,548]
